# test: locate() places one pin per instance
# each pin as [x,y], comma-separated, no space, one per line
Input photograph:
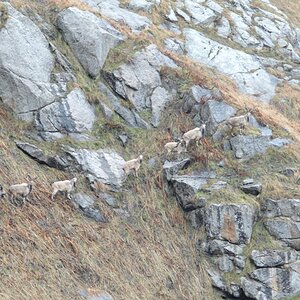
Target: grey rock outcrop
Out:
[283,220]
[171,168]
[37,154]
[130,115]
[103,165]
[89,37]
[274,258]
[272,283]
[112,10]
[85,204]
[186,187]
[230,222]
[25,65]
[139,82]
[243,68]
[251,188]
[71,115]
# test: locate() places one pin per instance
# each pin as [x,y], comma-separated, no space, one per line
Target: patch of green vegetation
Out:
[123,53]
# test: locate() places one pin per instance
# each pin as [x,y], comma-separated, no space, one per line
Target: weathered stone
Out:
[71,115]
[171,168]
[129,115]
[201,15]
[138,80]
[109,200]
[248,146]
[25,65]
[225,264]
[252,188]
[223,27]
[123,138]
[112,10]
[244,69]
[174,45]
[159,99]
[37,154]
[230,222]
[185,188]
[216,112]
[82,200]
[182,14]
[144,5]
[196,217]
[274,258]
[217,247]
[104,165]
[273,283]
[171,16]
[107,112]
[89,37]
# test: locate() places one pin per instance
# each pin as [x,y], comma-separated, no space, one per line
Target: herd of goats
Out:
[23,190]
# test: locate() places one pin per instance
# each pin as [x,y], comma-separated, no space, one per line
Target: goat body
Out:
[63,186]
[194,134]
[22,189]
[239,121]
[175,147]
[133,164]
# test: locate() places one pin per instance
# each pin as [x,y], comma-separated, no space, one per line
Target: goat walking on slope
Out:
[63,186]
[22,189]
[133,164]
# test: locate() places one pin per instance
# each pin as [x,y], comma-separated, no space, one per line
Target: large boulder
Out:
[273,283]
[130,115]
[243,68]
[25,65]
[230,222]
[105,166]
[139,82]
[37,154]
[112,10]
[71,115]
[185,188]
[282,220]
[89,37]
[274,258]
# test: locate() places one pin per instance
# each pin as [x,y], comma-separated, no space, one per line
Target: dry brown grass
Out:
[50,251]
[291,8]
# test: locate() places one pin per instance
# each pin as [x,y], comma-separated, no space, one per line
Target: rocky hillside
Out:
[86,85]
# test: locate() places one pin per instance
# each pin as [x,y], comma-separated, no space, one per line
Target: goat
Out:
[63,186]
[175,147]
[22,189]
[2,193]
[133,164]
[240,121]
[194,134]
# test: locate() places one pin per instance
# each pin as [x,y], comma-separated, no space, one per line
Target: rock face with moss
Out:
[89,37]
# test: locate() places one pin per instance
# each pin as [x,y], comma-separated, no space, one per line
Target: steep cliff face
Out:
[86,85]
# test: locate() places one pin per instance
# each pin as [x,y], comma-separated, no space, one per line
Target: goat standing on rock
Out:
[63,186]
[22,189]
[240,121]
[194,134]
[133,164]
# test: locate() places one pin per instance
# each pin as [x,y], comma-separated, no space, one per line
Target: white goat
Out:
[240,121]
[175,147]
[22,189]
[194,134]
[133,164]
[63,186]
